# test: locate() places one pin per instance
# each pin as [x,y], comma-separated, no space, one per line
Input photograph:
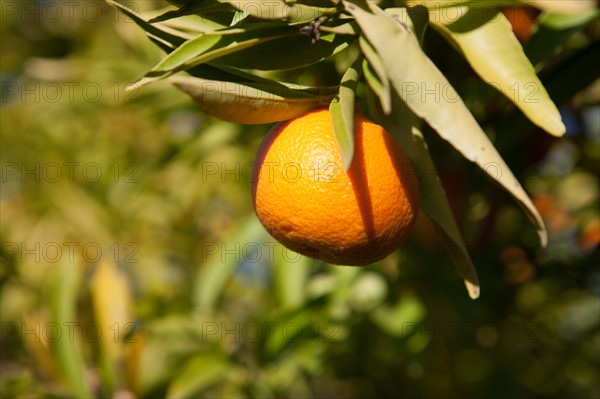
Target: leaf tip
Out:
[132,87]
[543,234]
[473,289]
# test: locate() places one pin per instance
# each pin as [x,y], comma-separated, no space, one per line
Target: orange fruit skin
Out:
[307,201]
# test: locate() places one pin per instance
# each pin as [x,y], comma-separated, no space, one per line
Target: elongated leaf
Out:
[373,81]
[404,125]
[211,12]
[416,19]
[342,113]
[111,298]
[68,352]
[411,73]
[376,75]
[486,39]
[263,9]
[208,47]
[152,30]
[567,79]
[230,74]
[198,374]
[440,4]
[303,13]
[249,102]
[561,6]
[282,10]
[292,51]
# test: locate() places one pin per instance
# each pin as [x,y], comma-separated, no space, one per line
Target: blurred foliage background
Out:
[133,266]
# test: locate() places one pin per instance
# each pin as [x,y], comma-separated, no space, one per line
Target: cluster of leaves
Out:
[220,43]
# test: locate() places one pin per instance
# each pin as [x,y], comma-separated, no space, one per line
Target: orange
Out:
[307,201]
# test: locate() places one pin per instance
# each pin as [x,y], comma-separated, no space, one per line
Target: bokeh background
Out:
[133,265]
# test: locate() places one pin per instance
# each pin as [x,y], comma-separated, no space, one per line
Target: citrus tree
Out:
[244,62]
[167,285]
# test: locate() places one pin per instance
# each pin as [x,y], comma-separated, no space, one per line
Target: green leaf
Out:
[197,374]
[376,75]
[292,51]
[210,12]
[412,75]
[249,102]
[415,18]
[441,4]
[155,31]
[405,126]
[263,9]
[486,39]
[560,6]
[342,113]
[213,275]
[552,31]
[283,11]
[63,301]
[210,46]
[567,78]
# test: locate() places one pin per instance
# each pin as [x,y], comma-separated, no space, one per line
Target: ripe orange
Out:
[308,202]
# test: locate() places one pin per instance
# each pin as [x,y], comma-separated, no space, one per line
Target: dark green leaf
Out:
[210,46]
[288,52]
[150,29]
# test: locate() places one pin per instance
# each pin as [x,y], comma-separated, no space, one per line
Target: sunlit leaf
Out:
[153,30]
[342,113]
[111,298]
[376,75]
[405,126]
[210,13]
[415,18]
[248,102]
[486,39]
[263,9]
[412,73]
[210,46]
